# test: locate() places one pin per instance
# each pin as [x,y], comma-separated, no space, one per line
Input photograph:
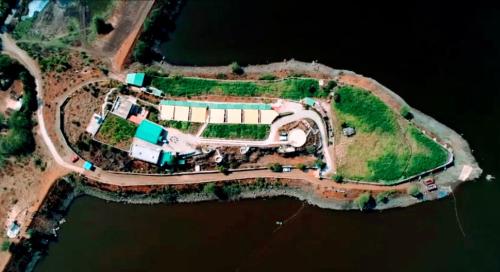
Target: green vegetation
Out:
[5,245]
[209,188]
[50,58]
[101,26]
[386,148]
[320,164]
[186,127]
[293,88]
[338,178]
[276,167]
[116,130]
[268,77]
[23,29]
[236,131]
[385,196]
[301,167]
[364,201]
[236,69]
[414,191]
[405,112]
[19,138]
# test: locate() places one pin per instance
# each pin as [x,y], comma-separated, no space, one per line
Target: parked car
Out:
[430,184]
[287,169]
[75,159]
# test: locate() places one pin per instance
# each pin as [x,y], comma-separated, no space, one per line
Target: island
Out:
[102,123]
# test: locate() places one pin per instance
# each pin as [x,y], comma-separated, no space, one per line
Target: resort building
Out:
[151,132]
[217,113]
[123,106]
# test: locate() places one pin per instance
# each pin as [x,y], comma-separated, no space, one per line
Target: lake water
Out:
[442,58]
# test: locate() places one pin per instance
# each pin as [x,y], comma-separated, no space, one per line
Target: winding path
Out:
[128,179]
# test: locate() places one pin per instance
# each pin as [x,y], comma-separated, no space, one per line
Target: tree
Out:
[301,167]
[276,167]
[385,196]
[364,201]
[320,164]
[237,69]
[406,113]
[338,178]
[140,52]
[414,191]
[223,169]
[5,245]
[311,149]
[209,188]
[101,26]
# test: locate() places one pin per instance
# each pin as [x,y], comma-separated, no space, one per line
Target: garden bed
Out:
[117,132]
[236,131]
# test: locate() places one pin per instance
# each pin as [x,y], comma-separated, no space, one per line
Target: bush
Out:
[141,51]
[232,190]
[209,188]
[301,167]
[338,178]
[236,69]
[320,164]
[385,196]
[311,149]
[364,201]
[101,26]
[268,77]
[405,112]
[221,76]
[414,191]
[276,167]
[5,245]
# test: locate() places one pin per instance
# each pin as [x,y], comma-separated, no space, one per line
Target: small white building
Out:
[145,151]
[123,106]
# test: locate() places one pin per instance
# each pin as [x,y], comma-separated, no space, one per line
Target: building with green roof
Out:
[309,101]
[213,105]
[150,132]
[167,158]
[136,79]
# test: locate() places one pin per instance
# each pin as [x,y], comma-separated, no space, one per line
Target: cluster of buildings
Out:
[148,144]
[217,113]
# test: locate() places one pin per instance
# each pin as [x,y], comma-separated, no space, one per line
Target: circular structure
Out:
[297,137]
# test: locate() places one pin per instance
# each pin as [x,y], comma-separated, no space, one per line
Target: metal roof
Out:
[136,79]
[214,105]
[145,151]
[149,132]
[309,101]
[167,158]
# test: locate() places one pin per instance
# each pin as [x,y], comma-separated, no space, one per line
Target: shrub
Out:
[237,69]
[320,164]
[364,201]
[405,112]
[268,77]
[276,167]
[236,131]
[232,190]
[330,85]
[301,167]
[101,26]
[141,51]
[311,149]
[209,188]
[5,245]
[414,191]
[338,178]
[385,196]
[221,76]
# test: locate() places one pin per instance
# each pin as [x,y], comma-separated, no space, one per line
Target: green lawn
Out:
[292,88]
[386,147]
[236,131]
[116,131]
[186,127]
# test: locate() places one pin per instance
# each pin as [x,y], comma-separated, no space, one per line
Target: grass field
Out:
[116,131]
[386,147]
[292,88]
[186,127]
[236,131]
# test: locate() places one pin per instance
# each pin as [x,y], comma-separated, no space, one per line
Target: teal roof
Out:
[87,165]
[309,101]
[149,132]
[136,79]
[223,106]
[167,158]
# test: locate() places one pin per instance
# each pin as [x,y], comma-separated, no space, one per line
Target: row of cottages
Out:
[147,144]
[217,113]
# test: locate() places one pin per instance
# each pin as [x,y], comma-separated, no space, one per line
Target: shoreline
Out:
[306,191]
